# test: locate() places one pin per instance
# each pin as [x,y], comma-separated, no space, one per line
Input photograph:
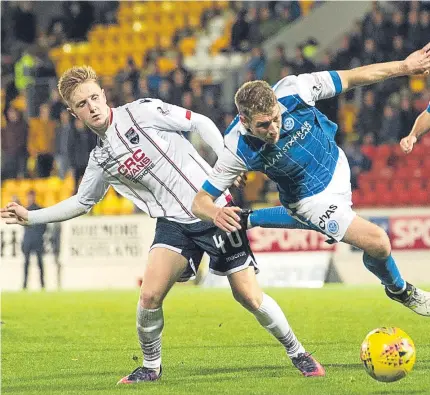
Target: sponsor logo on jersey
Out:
[164,109]
[132,136]
[297,135]
[136,166]
[328,213]
[288,124]
[332,226]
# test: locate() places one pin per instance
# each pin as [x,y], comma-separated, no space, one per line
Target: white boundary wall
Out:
[110,252]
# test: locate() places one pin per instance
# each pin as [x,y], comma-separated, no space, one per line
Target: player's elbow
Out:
[195,207]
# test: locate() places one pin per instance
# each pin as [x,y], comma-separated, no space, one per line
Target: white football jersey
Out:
[145,158]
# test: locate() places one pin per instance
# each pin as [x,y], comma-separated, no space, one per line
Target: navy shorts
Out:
[228,252]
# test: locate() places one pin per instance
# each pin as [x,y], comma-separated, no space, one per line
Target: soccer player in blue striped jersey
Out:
[279,132]
[421,127]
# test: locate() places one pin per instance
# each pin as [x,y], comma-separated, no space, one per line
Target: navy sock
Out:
[386,270]
[275,217]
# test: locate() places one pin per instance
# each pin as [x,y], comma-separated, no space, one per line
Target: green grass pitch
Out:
[84,342]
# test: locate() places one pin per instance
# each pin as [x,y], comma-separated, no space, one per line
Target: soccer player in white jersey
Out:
[279,132]
[143,155]
[421,127]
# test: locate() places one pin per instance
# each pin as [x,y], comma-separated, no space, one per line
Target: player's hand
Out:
[227,220]
[240,181]
[13,213]
[407,143]
[418,62]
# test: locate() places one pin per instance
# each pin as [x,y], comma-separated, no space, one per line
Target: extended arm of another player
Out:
[416,63]
[208,131]
[421,127]
[422,124]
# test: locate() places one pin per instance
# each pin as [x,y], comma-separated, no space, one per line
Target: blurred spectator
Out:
[24,22]
[33,242]
[356,39]
[254,35]
[239,32]
[300,64]
[81,144]
[310,48]
[399,52]
[179,60]
[186,31]
[24,70]
[414,31]
[286,71]
[57,105]
[79,18]
[177,87]
[127,92]
[397,27]
[63,133]
[344,55]
[391,128]
[198,98]
[425,28]
[187,100]
[165,91]
[368,119]
[143,88]
[215,112]
[257,63]
[41,142]
[154,77]
[275,65]
[57,33]
[358,162]
[129,73]
[370,54]
[14,145]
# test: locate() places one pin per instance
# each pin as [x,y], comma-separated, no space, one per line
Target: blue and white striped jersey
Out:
[302,162]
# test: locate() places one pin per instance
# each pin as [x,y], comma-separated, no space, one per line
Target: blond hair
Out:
[72,78]
[255,97]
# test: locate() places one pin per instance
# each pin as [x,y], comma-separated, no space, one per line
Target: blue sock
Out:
[275,217]
[386,270]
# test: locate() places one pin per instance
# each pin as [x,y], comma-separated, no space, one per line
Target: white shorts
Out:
[329,211]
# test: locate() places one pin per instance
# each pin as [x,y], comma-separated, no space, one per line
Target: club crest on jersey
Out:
[132,136]
[288,124]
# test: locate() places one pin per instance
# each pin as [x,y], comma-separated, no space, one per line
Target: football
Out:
[388,354]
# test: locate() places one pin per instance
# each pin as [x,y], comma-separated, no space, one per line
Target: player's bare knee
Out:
[380,247]
[150,299]
[250,301]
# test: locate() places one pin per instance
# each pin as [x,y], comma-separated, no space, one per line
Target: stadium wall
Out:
[110,252]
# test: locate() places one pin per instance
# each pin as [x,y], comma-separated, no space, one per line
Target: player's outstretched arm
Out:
[416,63]
[14,213]
[226,218]
[421,127]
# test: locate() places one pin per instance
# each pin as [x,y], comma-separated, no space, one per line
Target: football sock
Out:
[274,217]
[386,270]
[150,324]
[273,319]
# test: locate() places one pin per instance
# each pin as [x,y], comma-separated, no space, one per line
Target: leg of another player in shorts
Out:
[163,269]
[248,293]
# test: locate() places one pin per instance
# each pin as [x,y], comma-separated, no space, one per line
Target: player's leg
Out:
[271,217]
[377,258]
[163,269]
[166,263]
[248,293]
